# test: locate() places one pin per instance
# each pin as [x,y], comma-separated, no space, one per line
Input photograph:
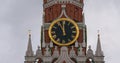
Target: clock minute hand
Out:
[64,28]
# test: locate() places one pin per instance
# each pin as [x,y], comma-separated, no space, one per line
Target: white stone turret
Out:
[29,51]
[99,51]
[99,57]
[90,53]
[38,53]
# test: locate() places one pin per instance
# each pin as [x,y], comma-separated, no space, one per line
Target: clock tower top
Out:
[64,35]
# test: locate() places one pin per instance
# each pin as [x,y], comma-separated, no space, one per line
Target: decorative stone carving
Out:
[38,52]
[63,12]
[47,52]
[72,53]
[76,44]
[55,53]
[52,2]
[51,44]
[80,51]
[64,56]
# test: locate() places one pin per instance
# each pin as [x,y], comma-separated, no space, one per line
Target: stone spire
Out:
[29,51]
[99,51]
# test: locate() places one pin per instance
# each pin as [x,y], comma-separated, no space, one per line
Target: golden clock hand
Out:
[64,28]
[60,25]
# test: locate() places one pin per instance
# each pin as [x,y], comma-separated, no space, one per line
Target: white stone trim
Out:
[64,56]
[76,44]
[83,43]
[80,25]
[80,52]
[47,59]
[63,12]
[52,2]
[51,44]
[72,53]
[55,53]
[43,43]
[47,52]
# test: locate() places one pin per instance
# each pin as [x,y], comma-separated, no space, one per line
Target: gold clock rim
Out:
[66,44]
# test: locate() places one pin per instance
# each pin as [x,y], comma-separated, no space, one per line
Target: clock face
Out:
[63,31]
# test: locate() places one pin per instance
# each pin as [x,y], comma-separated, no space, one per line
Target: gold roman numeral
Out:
[54,36]
[72,27]
[69,40]
[58,40]
[54,27]
[63,41]
[69,23]
[73,31]
[59,23]
[63,22]
[73,36]
[53,32]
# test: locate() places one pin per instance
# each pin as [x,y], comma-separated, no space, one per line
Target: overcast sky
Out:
[18,16]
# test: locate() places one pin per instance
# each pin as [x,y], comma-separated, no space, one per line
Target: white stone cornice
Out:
[50,3]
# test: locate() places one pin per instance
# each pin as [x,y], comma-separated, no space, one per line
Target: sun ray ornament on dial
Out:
[63,31]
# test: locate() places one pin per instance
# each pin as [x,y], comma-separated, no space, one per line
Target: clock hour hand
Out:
[62,27]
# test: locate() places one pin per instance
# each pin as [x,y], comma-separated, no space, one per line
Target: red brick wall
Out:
[80,38]
[45,1]
[52,12]
[74,12]
[47,39]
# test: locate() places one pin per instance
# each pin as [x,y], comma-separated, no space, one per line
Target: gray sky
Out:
[18,16]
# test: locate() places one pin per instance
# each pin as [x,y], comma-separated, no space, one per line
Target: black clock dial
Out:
[63,31]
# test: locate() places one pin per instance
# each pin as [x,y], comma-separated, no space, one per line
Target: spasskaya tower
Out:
[63,35]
